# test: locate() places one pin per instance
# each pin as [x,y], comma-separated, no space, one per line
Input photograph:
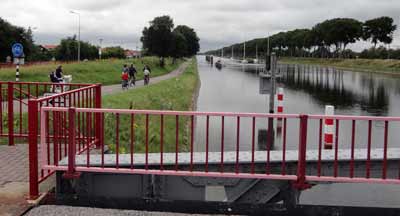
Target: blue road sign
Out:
[17,50]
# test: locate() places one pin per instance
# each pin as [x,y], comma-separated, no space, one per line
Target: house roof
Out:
[49,46]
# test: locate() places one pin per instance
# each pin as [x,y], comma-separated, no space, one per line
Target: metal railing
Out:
[21,103]
[164,143]
[14,97]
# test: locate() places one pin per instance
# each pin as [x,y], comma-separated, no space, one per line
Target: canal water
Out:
[307,89]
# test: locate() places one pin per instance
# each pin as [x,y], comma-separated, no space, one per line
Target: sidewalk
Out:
[13,179]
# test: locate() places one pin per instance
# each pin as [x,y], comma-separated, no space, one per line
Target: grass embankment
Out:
[106,72]
[173,94]
[367,65]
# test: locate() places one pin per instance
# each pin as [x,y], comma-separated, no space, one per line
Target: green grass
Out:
[173,94]
[105,72]
[368,65]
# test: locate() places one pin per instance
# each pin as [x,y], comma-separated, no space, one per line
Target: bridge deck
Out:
[230,157]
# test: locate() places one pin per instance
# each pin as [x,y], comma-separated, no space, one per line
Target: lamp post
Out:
[100,51]
[79,34]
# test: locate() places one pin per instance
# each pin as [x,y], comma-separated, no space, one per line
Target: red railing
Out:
[21,103]
[14,98]
[167,143]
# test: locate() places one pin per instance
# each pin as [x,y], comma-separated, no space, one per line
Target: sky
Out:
[217,22]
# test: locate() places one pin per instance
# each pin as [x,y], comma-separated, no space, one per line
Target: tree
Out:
[68,50]
[113,52]
[158,37]
[179,45]
[379,30]
[340,32]
[190,36]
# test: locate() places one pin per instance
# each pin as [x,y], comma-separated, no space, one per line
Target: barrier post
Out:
[279,110]
[71,172]
[17,72]
[329,127]
[98,120]
[280,101]
[301,164]
[33,149]
[10,103]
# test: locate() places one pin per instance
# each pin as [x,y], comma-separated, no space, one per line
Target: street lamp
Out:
[79,34]
[100,40]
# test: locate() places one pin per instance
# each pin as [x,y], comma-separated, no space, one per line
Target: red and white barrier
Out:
[280,101]
[329,128]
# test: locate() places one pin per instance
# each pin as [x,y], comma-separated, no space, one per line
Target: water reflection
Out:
[235,88]
[328,86]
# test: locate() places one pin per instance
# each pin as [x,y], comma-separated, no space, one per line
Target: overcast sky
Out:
[217,22]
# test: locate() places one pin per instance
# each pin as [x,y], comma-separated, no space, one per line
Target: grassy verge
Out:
[105,71]
[172,94]
[367,65]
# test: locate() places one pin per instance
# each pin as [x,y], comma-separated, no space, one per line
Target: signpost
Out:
[268,86]
[18,51]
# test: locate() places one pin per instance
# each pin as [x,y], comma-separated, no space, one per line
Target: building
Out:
[48,47]
[132,53]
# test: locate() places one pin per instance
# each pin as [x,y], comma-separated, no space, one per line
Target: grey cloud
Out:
[93,5]
[217,22]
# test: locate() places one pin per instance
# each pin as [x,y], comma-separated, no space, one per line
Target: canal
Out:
[307,89]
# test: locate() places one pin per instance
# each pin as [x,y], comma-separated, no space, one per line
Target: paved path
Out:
[48,210]
[112,89]
[13,179]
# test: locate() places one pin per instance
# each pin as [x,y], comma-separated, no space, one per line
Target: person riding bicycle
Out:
[125,79]
[53,77]
[132,75]
[146,73]
[59,74]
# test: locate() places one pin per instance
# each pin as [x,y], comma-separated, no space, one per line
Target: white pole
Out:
[17,71]
[79,34]
[79,37]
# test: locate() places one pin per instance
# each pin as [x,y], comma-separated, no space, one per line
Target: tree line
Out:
[327,39]
[66,50]
[163,40]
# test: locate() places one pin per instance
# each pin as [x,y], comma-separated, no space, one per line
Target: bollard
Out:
[329,127]
[280,101]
